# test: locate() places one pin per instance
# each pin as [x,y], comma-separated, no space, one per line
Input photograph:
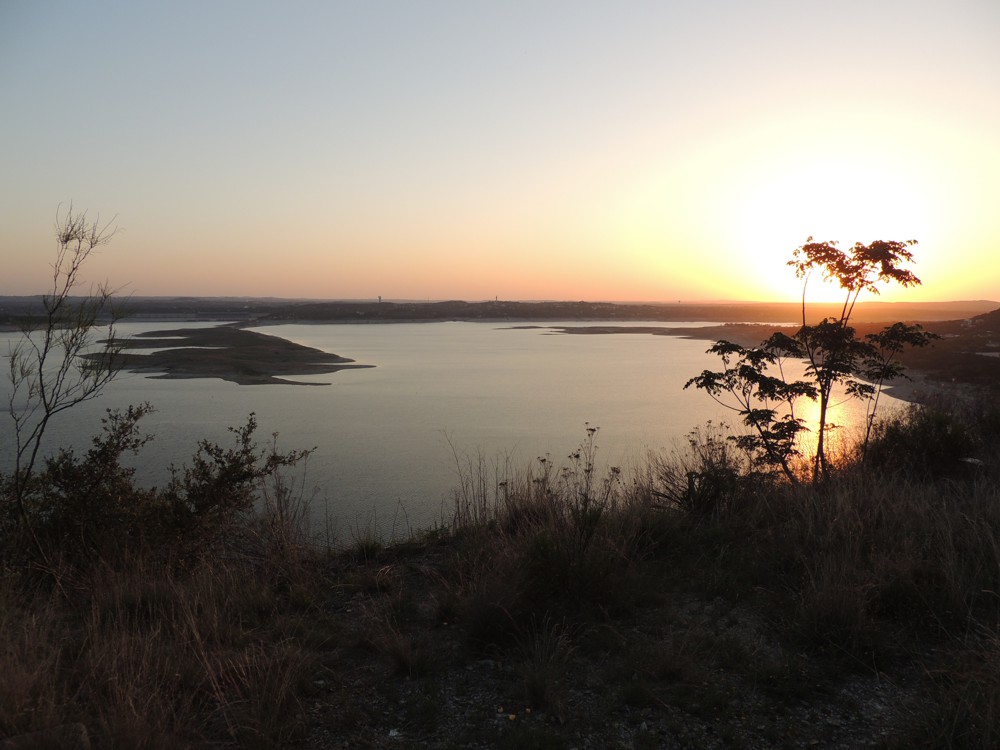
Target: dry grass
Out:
[896,555]
[148,658]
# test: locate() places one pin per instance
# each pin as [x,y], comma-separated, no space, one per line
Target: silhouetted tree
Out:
[833,352]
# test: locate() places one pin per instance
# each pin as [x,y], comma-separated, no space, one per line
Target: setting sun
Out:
[848,194]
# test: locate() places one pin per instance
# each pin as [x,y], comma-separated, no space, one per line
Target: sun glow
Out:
[829,200]
[723,219]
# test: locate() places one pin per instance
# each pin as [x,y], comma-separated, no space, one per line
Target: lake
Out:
[386,437]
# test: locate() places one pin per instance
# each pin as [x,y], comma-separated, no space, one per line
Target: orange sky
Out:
[522,150]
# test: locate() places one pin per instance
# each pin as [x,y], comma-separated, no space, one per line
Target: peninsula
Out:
[226,352]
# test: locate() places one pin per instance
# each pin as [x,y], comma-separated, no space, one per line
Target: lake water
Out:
[386,436]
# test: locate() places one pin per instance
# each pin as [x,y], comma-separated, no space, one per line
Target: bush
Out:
[924,443]
[711,478]
[85,507]
[82,510]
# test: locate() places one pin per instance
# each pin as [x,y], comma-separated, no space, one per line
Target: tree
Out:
[765,402]
[832,350]
[58,362]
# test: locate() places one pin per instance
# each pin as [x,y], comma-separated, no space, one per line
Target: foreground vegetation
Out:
[690,603]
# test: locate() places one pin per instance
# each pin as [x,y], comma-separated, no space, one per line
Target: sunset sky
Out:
[521,150]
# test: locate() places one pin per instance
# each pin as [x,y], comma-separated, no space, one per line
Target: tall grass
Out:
[557,541]
[154,660]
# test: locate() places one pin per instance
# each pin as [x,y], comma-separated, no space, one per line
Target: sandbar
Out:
[226,352]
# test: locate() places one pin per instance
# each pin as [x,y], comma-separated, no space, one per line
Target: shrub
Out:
[221,484]
[86,507]
[710,478]
[922,443]
[83,510]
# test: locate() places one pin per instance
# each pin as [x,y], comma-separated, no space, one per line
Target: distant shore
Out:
[229,351]
[264,311]
[938,372]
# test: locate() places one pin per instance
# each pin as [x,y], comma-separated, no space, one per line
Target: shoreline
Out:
[918,386]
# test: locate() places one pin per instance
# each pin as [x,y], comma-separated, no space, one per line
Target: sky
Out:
[542,149]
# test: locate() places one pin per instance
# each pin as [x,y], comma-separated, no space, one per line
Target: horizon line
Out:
[551,300]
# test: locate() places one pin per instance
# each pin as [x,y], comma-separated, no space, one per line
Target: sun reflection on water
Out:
[846,420]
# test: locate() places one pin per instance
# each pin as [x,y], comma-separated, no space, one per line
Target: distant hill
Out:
[721,312]
[270,309]
[990,320]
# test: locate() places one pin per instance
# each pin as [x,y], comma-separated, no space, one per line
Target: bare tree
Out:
[61,360]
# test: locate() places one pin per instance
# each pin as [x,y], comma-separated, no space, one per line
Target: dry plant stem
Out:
[47,371]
